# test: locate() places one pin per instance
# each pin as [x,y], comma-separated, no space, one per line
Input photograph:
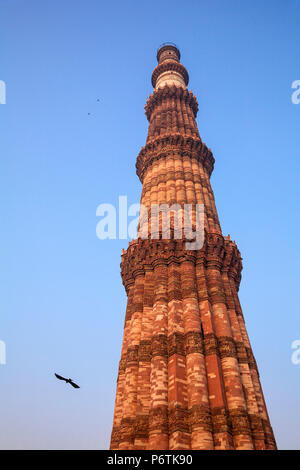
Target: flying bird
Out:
[68,381]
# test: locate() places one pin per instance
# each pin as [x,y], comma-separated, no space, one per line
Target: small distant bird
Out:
[68,381]
[89,114]
[98,99]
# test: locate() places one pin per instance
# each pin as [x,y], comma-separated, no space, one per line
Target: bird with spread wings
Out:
[68,381]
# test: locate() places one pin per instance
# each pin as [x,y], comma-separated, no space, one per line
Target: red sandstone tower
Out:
[187,375]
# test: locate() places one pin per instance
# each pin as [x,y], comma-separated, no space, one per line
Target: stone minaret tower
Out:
[187,375]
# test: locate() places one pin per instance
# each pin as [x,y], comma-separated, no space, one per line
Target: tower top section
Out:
[168,50]
[169,70]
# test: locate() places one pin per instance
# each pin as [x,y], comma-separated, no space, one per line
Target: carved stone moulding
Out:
[169,65]
[200,418]
[144,254]
[240,422]
[220,420]
[142,426]
[170,91]
[174,144]
[178,419]
[182,344]
[158,419]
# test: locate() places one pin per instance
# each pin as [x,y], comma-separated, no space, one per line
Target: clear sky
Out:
[62,300]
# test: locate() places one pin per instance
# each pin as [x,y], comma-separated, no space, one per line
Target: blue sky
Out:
[62,300]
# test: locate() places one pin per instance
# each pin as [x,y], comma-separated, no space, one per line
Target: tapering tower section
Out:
[187,375]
